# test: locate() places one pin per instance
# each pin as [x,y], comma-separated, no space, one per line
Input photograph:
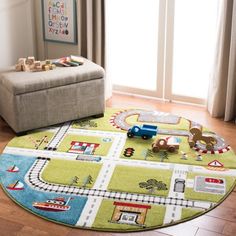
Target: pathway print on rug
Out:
[90,174]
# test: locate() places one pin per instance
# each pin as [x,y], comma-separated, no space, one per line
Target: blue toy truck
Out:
[144,131]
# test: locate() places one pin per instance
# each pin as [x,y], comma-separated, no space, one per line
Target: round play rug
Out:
[130,170]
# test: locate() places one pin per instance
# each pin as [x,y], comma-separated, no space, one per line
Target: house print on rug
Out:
[83,147]
[129,213]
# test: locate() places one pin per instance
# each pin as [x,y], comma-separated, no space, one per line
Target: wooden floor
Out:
[14,220]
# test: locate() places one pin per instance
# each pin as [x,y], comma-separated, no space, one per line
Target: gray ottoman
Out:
[30,100]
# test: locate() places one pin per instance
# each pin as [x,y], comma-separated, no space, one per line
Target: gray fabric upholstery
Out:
[52,105]
[25,82]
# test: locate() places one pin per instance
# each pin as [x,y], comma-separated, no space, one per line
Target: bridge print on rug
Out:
[90,174]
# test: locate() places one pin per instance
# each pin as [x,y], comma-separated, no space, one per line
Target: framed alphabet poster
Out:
[59,21]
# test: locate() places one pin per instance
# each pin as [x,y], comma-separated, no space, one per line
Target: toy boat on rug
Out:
[16,186]
[56,204]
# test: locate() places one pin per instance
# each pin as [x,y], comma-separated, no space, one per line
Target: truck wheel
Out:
[145,137]
[155,149]
[209,146]
[171,149]
[130,135]
[191,143]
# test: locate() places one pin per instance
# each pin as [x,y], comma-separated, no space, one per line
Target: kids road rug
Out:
[128,171]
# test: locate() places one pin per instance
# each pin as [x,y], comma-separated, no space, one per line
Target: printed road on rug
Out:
[128,171]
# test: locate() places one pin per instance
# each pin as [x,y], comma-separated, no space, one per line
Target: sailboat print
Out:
[16,186]
[13,169]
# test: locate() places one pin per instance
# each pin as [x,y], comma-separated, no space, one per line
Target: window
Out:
[132,44]
[161,48]
[128,218]
[191,40]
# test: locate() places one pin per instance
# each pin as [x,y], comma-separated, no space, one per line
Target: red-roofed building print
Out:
[129,213]
[83,147]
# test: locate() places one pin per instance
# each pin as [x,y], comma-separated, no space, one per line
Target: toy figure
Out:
[145,131]
[199,157]
[184,156]
[170,144]
[198,136]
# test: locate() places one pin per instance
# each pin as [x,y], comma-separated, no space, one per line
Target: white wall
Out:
[16,31]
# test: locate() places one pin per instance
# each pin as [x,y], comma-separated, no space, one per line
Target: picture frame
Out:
[59,21]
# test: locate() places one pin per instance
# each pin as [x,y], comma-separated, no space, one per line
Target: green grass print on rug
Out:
[71,173]
[154,217]
[128,178]
[32,140]
[93,176]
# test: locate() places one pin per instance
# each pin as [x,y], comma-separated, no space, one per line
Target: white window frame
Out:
[164,78]
[169,60]
[158,92]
